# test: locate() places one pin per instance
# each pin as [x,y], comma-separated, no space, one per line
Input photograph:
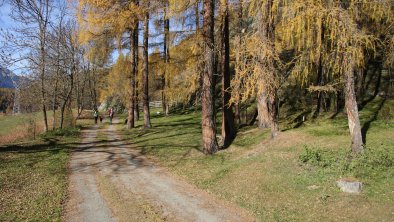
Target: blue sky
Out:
[6,23]
[5,20]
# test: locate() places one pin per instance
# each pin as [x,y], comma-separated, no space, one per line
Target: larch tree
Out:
[209,140]
[147,123]
[166,51]
[328,35]
[228,125]
[258,65]
[238,45]
[115,18]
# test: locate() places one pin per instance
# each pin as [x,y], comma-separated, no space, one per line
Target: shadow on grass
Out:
[50,145]
[373,118]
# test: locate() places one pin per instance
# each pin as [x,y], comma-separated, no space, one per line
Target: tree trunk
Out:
[320,79]
[68,96]
[360,84]
[130,117]
[62,114]
[54,104]
[197,16]
[320,82]
[42,77]
[228,126]
[267,32]
[352,113]
[273,111]
[136,103]
[147,123]
[136,97]
[237,107]
[210,144]
[262,110]
[166,46]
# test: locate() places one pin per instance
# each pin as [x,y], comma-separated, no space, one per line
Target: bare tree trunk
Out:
[166,45]
[210,144]
[320,82]
[68,97]
[273,111]
[130,117]
[92,87]
[42,73]
[262,110]
[54,103]
[267,33]
[136,97]
[237,108]
[228,126]
[147,123]
[136,103]
[352,112]
[320,79]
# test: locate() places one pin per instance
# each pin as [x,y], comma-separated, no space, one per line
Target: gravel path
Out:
[154,194]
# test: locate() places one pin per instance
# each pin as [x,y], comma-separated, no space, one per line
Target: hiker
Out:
[110,114]
[96,115]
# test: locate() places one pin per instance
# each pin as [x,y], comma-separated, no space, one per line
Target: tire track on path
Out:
[115,159]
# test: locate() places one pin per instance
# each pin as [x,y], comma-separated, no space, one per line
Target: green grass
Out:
[271,178]
[33,177]
[9,123]
[268,178]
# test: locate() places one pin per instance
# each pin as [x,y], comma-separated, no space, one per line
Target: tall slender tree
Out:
[238,43]
[228,126]
[209,140]
[147,123]
[36,14]
[133,52]
[166,51]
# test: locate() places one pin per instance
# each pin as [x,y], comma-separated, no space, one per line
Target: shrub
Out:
[67,132]
[317,157]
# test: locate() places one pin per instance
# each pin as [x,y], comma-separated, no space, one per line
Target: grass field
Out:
[28,126]
[33,177]
[291,178]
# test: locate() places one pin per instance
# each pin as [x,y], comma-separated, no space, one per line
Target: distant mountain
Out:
[8,79]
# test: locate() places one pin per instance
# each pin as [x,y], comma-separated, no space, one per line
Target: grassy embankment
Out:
[33,174]
[291,178]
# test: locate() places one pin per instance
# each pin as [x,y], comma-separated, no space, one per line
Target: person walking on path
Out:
[110,114]
[96,115]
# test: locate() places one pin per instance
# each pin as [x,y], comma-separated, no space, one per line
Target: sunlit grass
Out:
[268,177]
[33,177]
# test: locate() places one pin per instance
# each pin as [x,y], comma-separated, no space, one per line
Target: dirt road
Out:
[109,181]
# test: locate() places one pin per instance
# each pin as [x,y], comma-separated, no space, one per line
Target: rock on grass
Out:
[350,186]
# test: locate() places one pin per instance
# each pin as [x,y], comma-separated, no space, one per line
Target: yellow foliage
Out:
[118,80]
[181,74]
